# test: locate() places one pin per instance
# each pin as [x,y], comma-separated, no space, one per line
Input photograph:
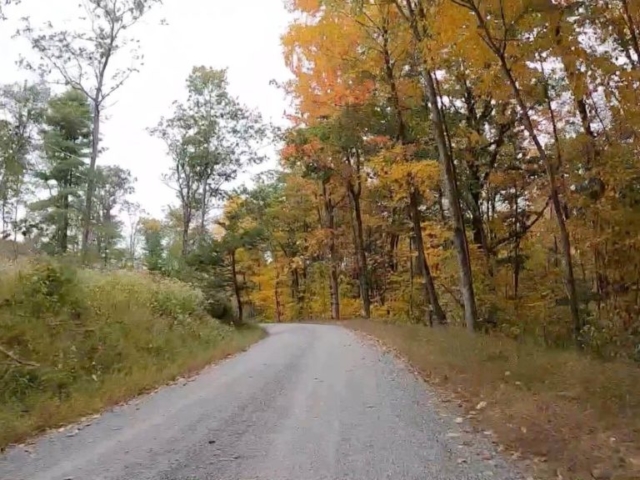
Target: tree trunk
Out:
[203,215]
[392,262]
[361,254]
[453,197]
[4,218]
[304,290]
[91,183]
[186,225]
[236,287]
[334,286]
[430,294]
[296,292]
[276,294]
[448,170]
[516,250]
[411,275]
[64,228]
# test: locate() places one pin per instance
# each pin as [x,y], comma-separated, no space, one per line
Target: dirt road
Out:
[307,403]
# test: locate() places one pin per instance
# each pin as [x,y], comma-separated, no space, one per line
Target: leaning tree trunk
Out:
[416,17]
[430,293]
[453,197]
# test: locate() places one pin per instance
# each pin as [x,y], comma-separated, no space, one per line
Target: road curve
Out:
[309,402]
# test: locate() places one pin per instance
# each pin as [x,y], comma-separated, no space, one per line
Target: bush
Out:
[70,336]
[220,308]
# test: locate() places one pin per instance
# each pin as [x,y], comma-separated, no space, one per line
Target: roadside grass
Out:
[565,414]
[82,341]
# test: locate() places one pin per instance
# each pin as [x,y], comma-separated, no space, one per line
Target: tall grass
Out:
[75,341]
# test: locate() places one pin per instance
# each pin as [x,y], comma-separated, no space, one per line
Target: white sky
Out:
[241,35]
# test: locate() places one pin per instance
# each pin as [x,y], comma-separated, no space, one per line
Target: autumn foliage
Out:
[457,161]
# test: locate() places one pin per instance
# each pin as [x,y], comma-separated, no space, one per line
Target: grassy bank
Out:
[74,342]
[565,413]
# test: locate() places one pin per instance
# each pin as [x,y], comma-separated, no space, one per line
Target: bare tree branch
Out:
[16,359]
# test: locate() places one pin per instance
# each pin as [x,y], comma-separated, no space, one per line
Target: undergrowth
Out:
[75,341]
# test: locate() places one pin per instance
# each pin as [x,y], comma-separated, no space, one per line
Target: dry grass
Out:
[569,416]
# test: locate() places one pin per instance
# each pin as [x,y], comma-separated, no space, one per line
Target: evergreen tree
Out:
[66,140]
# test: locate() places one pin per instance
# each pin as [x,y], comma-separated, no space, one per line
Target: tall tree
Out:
[153,244]
[495,34]
[414,12]
[113,185]
[210,138]
[84,59]
[22,109]
[67,142]
[135,215]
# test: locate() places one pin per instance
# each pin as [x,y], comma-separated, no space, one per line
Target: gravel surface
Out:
[309,402]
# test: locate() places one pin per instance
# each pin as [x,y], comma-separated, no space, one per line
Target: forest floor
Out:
[563,414]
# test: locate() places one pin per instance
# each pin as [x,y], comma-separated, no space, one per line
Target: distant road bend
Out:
[307,403]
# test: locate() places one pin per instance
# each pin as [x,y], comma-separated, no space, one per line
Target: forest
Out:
[446,162]
[458,178]
[455,162]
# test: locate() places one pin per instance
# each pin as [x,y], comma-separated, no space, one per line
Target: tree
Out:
[135,216]
[113,185]
[414,14]
[66,142]
[359,100]
[153,244]
[22,108]
[495,38]
[401,112]
[210,138]
[84,60]
[236,237]
[215,261]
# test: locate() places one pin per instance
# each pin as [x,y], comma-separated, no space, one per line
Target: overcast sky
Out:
[241,35]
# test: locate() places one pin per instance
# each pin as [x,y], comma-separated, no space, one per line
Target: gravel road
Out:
[307,403]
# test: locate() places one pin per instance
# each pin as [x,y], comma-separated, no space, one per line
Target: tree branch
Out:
[17,359]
